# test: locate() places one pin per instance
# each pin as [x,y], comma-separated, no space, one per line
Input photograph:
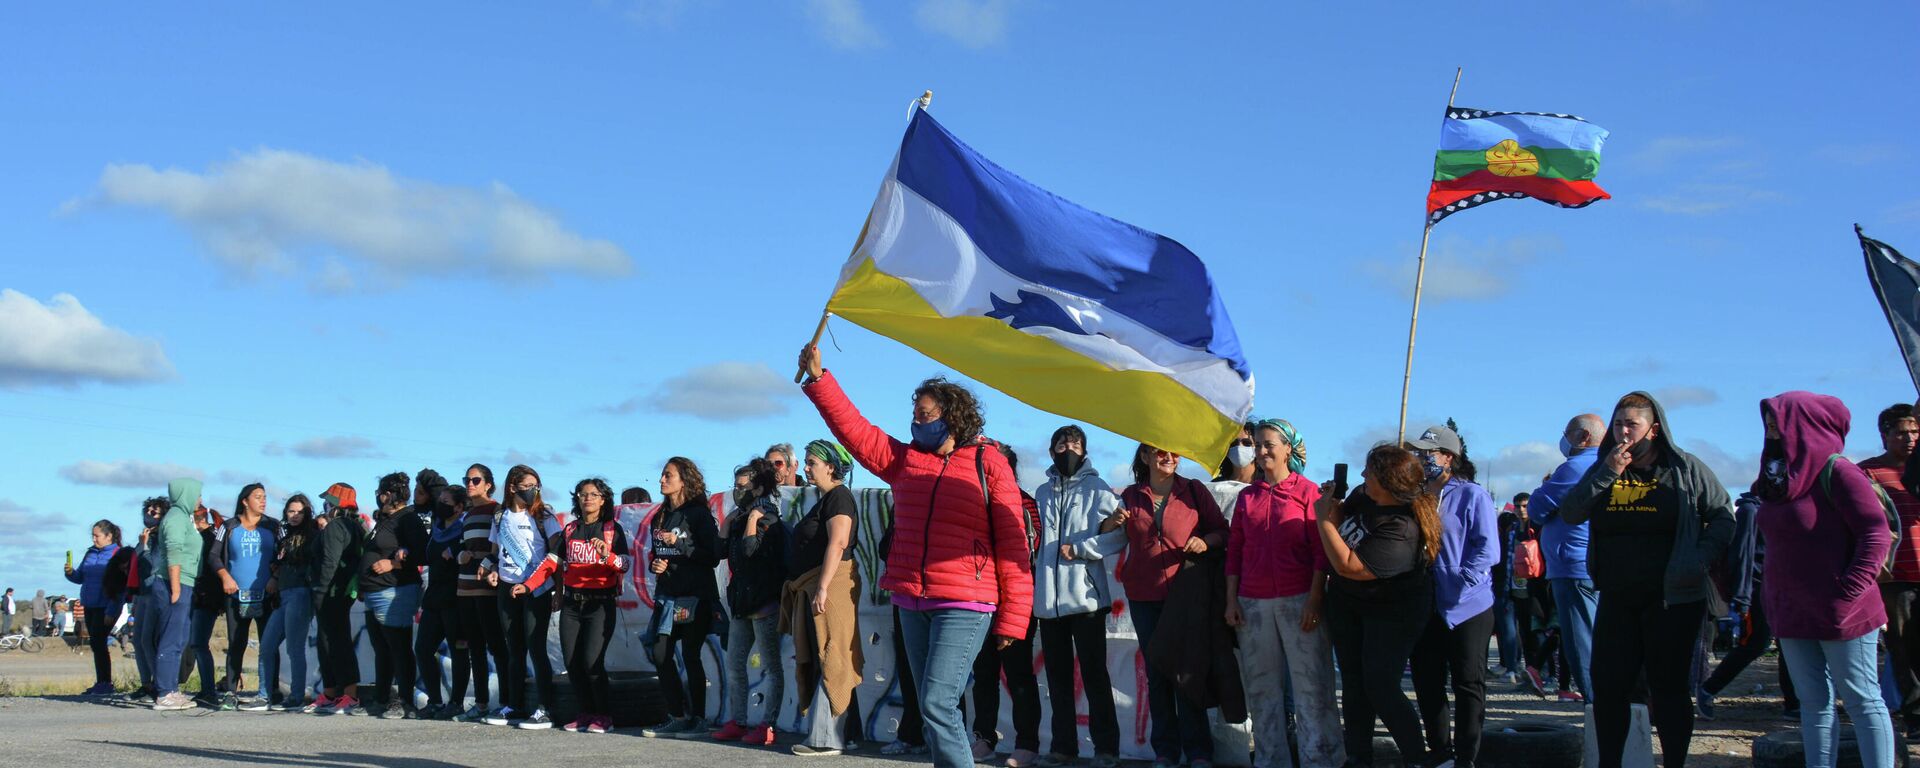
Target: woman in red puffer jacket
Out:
[959,558]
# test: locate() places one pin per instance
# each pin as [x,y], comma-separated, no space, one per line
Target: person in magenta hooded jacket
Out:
[1826,539]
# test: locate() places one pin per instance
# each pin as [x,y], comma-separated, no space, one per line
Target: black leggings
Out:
[913,727]
[1634,632]
[586,626]
[1459,652]
[1372,645]
[688,699]
[1016,661]
[392,662]
[237,644]
[338,666]
[486,643]
[100,622]
[526,619]
[441,624]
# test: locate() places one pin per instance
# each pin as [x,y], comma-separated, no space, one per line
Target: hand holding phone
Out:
[1340,481]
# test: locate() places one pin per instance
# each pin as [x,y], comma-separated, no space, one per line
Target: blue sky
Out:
[315,245]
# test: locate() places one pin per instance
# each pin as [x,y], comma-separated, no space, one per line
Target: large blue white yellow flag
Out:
[1060,307]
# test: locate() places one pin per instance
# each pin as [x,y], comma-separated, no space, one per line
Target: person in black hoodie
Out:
[684,545]
[390,587]
[1659,518]
[756,547]
[445,508]
[336,584]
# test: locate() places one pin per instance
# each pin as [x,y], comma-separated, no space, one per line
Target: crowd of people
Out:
[1249,600]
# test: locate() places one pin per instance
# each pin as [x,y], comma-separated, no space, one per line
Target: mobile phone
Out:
[1340,481]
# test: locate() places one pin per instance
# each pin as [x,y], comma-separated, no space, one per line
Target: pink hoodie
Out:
[1823,553]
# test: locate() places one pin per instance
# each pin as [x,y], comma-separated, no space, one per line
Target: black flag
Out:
[1896,281]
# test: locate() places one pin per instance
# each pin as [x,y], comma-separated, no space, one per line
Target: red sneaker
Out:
[1572,696]
[600,725]
[732,731]
[579,723]
[760,735]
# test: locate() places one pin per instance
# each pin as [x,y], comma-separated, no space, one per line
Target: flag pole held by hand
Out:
[801,374]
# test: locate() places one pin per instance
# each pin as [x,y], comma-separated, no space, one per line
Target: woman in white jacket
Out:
[1078,531]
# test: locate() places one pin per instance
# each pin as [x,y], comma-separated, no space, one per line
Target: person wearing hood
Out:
[1454,643]
[1900,589]
[1072,599]
[958,564]
[1827,537]
[389,571]
[1276,587]
[1659,517]
[442,506]
[243,562]
[101,612]
[756,546]
[177,558]
[1563,545]
[42,612]
[337,583]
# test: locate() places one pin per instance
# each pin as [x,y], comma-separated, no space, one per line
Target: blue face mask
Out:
[1432,465]
[1566,446]
[930,435]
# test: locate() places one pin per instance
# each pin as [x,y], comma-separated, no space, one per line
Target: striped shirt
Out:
[473,539]
[1906,556]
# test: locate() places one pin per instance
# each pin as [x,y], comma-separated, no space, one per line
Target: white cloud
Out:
[1685,396]
[286,212]
[34,541]
[1668,151]
[1519,468]
[1735,471]
[535,460]
[128,473]
[1704,198]
[341,447]
[60,343]
[1459,269]
[1861,155]
[843,23]
[727,391]
[972,23]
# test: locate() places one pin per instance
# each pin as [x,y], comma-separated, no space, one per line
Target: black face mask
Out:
[1068,463]
[528,496]
[1773,472]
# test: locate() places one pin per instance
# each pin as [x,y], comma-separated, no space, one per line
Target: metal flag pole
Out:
[1419,278]
[925,100]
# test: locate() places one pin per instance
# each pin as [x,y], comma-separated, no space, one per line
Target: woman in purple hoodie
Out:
[1826,539]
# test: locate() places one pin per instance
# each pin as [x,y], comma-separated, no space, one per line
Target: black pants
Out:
[586,626]
[393,672]
[1016,663]
[338,666]
[486,643]
[441,624]
[1372,645]
[1082,637]
[1459,652]
[913,727]
[1753,644]
[237,644]
[100,622]
[1635,632]
[1903,645]
[525,620]
[688,699]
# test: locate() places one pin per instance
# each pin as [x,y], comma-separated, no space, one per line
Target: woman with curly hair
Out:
[685,546]
[958,565]
[596,561]
[1380,544]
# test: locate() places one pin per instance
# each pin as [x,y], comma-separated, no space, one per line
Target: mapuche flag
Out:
[1487,156]
[1059,307]
[1896,282]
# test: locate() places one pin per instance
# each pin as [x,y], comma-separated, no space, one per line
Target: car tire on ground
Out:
[1531,743]
[1783,749]
[637,700]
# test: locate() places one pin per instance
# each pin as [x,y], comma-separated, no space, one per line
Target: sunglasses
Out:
[475,480]
[1246,441]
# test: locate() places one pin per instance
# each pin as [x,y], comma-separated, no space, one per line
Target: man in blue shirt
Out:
[1564,547]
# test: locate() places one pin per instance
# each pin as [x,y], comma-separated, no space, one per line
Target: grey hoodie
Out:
[1070,513]
[1705,521]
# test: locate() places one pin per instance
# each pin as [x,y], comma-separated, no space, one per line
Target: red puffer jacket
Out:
[949,543]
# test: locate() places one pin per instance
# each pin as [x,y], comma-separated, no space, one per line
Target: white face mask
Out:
[1240,455]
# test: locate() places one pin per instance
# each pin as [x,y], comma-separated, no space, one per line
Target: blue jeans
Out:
[1507,630]
[202,642]
[171,625]
[393,606]
[288,625]
[941,645]
[1179,725]
[146,619]
[1576,602]
[1820,666]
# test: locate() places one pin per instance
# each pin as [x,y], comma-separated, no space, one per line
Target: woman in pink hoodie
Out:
[1826,540]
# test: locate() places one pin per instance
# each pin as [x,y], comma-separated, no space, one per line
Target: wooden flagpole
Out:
[1419,279]
[925,101]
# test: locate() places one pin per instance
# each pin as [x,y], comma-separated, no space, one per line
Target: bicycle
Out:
[22,641]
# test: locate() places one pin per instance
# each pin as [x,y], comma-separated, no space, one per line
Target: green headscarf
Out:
[1297,460]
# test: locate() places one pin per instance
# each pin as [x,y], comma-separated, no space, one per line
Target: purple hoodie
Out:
[1823,553]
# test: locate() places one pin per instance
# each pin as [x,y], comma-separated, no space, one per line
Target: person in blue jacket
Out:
[101,612]
[1454,643]
[1563,546]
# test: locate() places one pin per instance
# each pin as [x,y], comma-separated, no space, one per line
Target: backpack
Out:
[1886,507]
[1527,560]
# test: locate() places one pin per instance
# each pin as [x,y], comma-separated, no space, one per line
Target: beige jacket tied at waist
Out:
[828,646]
